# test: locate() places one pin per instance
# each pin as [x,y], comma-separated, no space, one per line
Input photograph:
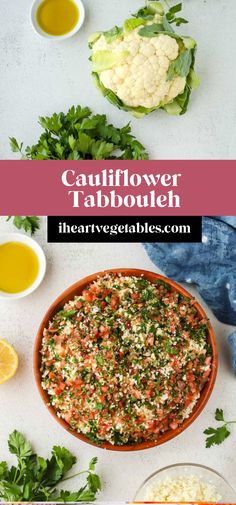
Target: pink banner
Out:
[117,188]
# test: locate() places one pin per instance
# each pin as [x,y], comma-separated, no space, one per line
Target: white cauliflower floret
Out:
[167,46]
[140,79]
[177,87]
[147,49]
[107,78]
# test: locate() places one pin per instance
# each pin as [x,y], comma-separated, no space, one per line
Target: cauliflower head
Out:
[144,65]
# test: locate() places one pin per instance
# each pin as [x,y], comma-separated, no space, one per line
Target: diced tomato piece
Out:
[115,300]
[206,374]
[174,425]
[68,417]
[104,389]
[189,400]
[60,388]
[51,375]
[79,305]
[88,295]
[101,398]
[176,364]
[50,362]
[52,330]
[95,332]
[103,331]
[78,383]
[109,355]
[150,393]
[135,296]
[140,419]
[135,392]
[106,292]
[153,426]
[150,340]
[181,385]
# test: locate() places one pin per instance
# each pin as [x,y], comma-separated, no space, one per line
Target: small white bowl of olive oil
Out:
[22,265]
[57,19]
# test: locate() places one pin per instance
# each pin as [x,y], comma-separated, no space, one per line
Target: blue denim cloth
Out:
[210,266]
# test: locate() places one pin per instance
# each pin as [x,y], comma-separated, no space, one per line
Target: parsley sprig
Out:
[171,14]
[170,17]
[79,135]
[217,435]
[36,479]
[30,224]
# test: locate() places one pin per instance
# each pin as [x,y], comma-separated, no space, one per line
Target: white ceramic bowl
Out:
[204,473]
[39,31]
[24,239]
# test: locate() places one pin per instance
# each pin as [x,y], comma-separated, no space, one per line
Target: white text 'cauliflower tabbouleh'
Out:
[126,360]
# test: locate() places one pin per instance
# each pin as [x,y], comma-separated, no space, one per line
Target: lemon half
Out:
[8,361]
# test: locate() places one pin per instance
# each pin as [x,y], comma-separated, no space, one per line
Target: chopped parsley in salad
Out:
[126,360]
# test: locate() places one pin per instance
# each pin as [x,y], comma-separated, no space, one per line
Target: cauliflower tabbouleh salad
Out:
[126,360]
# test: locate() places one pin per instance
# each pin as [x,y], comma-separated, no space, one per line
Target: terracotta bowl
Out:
[76,289]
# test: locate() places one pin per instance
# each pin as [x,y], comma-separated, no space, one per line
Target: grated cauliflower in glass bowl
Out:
[186,482]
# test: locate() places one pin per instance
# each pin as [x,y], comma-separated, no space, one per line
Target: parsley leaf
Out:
[3,470]
[29,223]
[219,415]
[15,147]
[35,478]
[19,446]
[215,436]
[92,464]
[94,482]
[64,459]
[67,314]
[170,16]
[79,135]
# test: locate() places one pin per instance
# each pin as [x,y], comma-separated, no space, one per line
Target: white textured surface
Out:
[22,408]
[39,77]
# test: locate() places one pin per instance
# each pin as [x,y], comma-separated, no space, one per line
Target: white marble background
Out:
[21,407]
[39,77]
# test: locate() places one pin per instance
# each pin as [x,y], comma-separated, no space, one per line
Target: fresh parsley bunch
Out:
[36,479]
[79,135]
[30,224]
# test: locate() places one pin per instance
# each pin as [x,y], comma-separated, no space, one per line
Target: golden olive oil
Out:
[19,267]
[57,17]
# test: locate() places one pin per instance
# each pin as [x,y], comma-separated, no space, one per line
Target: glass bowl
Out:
[207,475]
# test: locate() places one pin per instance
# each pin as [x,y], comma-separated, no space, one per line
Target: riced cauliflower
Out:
[145,65]
[183,488]
[118,361]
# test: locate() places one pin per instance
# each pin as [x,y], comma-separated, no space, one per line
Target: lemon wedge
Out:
[8,361]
